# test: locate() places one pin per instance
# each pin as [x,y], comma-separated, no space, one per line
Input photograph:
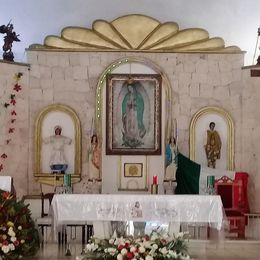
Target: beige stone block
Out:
[183,122]
[236,60]
[57,73]
[22,106]
[84,59]
[69,73]
[175,86]
[45,72]
[198,103]
[36,94]
[199,77]
[194,89]
[47,94]
[236,101]
[35,71]
[202,66]
[32,57]
[34,82]
[235,88]
[206,90]
[63,84]
[213,66]
[3,84]
[184,81]
[226,78]
[52,59]
[81,85]
[220,93]
[94,59]
[237,74]
[94,71]
[249,107]
[179,67]
[63,60]
[170,59]
[42,58]
[65,96]
[46,83]
[185,109]
[225,66]
[189,66]
[246,74]
[80,72]
[74,59]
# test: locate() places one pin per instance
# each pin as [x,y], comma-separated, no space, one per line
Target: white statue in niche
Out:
[58,162]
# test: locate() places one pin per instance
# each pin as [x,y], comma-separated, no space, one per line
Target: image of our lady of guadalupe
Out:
[133,107]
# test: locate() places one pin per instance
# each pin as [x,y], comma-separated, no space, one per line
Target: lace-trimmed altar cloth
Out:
[114,207]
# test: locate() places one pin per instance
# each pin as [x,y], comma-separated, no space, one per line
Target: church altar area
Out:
[67,84]
[162,209]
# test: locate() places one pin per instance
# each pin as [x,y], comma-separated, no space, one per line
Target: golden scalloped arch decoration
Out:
[136,32]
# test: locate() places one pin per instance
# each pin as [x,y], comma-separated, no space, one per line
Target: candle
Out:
[155,179]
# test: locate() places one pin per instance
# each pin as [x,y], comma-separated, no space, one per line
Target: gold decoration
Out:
[136,32]
[230,133]
[50,178]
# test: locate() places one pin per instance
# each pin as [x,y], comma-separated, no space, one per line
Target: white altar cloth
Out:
[114,207]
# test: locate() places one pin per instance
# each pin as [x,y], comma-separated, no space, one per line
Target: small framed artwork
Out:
[133,119]
[133,170]
[133,173]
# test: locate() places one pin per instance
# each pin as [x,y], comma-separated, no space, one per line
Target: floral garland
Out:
[18,234]
[13,114]
[156,246]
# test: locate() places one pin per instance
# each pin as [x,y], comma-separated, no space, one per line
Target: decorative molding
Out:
[136,32]
[49,178]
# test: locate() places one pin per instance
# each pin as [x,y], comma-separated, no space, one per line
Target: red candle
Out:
[155,179]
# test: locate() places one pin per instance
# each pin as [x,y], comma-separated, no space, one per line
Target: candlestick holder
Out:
[154,189]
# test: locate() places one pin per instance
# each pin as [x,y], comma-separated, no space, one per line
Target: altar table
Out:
[69,208]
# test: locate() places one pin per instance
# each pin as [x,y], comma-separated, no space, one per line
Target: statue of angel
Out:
[9,38]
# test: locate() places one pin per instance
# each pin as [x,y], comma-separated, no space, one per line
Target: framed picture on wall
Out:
[133,173]
[133,114]
[133,170]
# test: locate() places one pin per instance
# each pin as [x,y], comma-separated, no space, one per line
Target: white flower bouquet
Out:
[156,246]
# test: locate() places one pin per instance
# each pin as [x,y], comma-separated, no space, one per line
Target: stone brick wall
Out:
[15,144]
[197,80]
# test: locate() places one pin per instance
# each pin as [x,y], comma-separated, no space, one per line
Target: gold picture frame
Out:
[224,125]
[133,119]
[134,179]
[48,118]
[133,170]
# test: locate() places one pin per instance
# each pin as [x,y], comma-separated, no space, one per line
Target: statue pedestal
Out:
[169,186]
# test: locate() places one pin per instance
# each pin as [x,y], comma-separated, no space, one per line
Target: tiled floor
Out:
[201,250]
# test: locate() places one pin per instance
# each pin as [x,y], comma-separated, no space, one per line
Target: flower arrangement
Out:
[18,235]
[156,246]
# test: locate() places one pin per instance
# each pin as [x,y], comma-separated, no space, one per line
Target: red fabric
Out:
[240,195]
